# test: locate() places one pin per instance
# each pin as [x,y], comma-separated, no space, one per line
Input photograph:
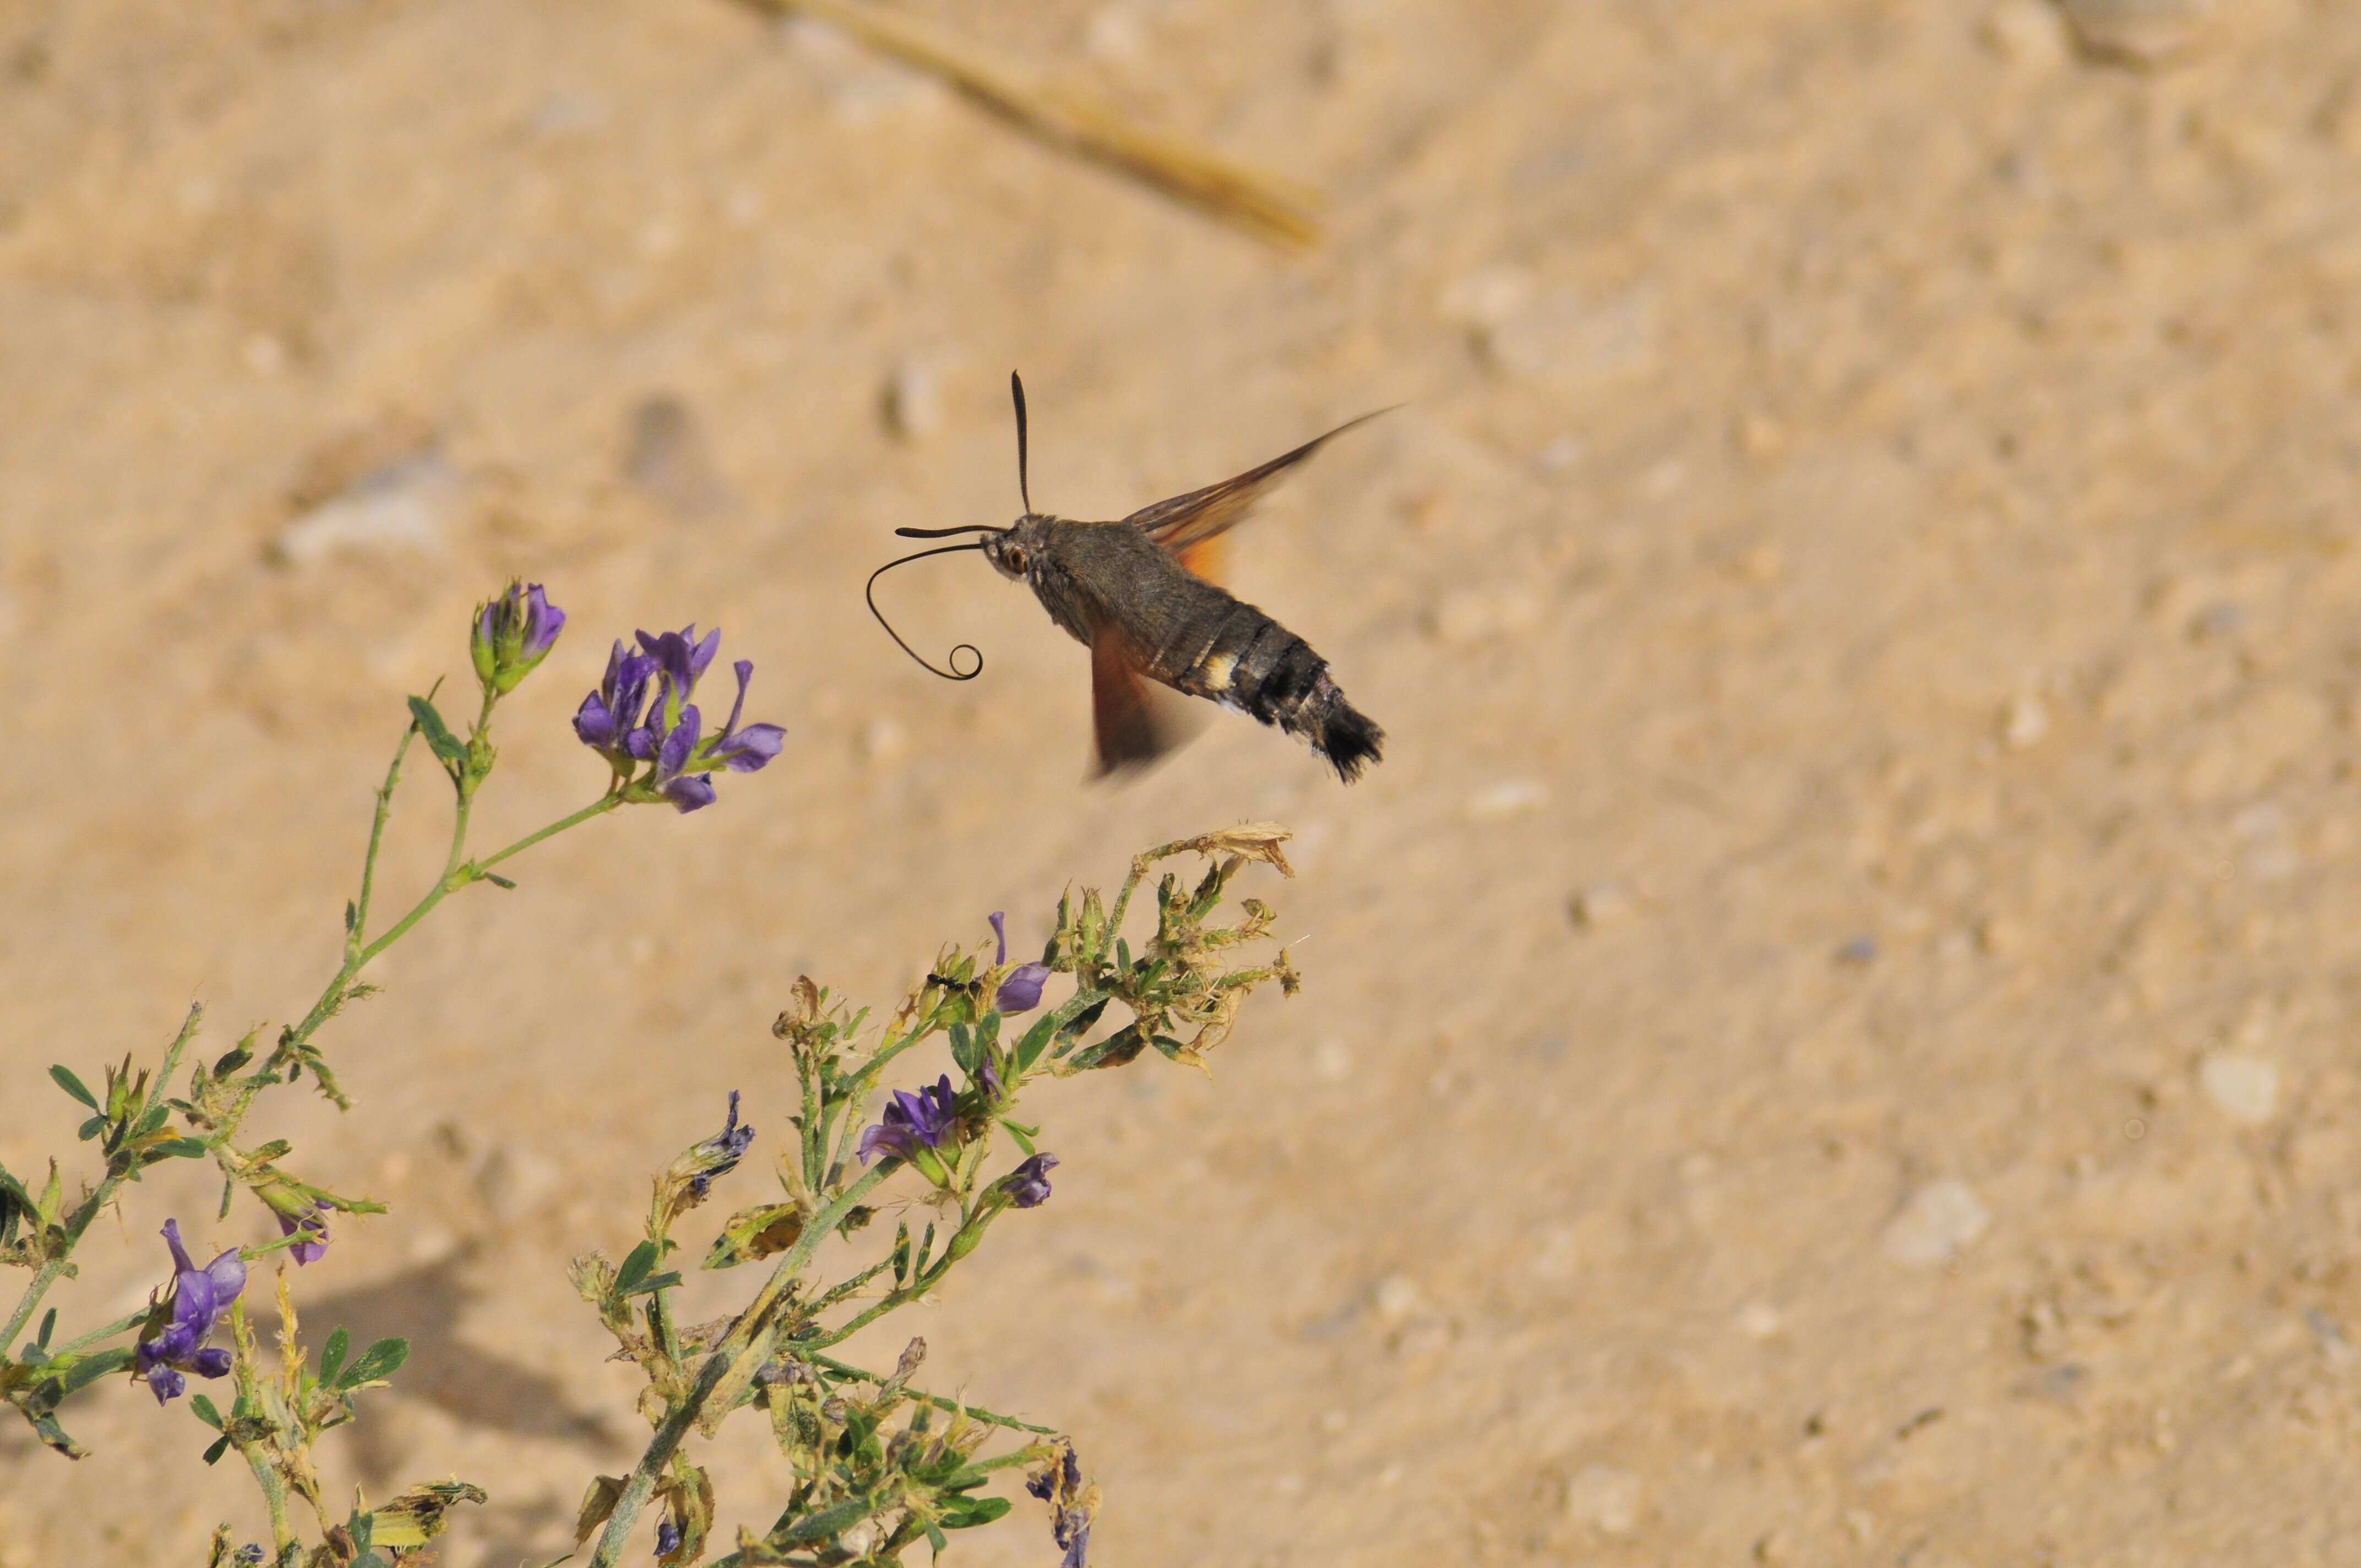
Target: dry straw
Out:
[1270,209]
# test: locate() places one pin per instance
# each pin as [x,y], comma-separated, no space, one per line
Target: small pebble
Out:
[1596,908]
[1559,455]
[1510,797]
[1934,1223]
[2245,1085]
[2144,33]
[513,1180]
[1605,1496]
[664,454]
[399,507]
[2026,32]
[1556,1260]
[2026,722]
[914,401]
[1395,1298]
[1471,614]
[1117,34]
[1563,338]
[1486,298]
[1331,1061]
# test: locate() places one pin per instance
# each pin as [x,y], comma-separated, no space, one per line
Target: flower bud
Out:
[513,634]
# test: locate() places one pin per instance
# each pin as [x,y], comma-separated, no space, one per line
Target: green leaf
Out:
[970,1512]
[636,1267]
[1019,1133]
[179,1148]
[363,1528]
[220,1447]
[46,1427]
[331,1356]
[90,1129]
[1036,1041]
[654,1282]
[352,916]
[48,1325]
[375,1364]
[91,1368]
[498,881]
[66,1080]
[204,1411]
[439,739]
[964,1048]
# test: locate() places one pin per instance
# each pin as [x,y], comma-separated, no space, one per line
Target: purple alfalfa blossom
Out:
[670,735]
[314,1245]
[1028,1185]
[1021,992]
[687,792]
[199,1296]
[719,1155]
[667,1538]
[926,1118]
[608,718]
[514,634]
[746,750]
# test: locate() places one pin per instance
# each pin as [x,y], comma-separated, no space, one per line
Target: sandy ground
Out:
[1829,1038]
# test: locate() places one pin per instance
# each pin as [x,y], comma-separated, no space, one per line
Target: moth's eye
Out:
[1015,560]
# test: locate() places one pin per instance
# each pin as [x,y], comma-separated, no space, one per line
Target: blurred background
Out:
[1828,1039]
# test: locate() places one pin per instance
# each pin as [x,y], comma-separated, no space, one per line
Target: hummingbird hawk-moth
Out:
[1138,594]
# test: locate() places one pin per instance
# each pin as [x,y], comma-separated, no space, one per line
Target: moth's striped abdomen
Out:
[1251,663]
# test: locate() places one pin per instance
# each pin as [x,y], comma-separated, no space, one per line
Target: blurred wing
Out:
[1185,523]
[1130,733]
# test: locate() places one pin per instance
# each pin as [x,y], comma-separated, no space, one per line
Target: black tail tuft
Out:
[1343,734]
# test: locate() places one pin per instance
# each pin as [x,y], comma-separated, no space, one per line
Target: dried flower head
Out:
[719,1155]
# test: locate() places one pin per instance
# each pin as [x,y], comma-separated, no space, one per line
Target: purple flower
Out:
[670,736]
[927,1117]
[720,1155]
[314,1245]
[1028,1185]
[513,634]
[608,718]
[199,1295]
[746,750]
[687,792]
[1021,992]
[667,1538]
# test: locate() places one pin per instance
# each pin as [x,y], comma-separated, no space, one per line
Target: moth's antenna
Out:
[1016,390]
[869,593]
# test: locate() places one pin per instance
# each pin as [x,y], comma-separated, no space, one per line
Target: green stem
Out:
[719,1367]
[129,1320]
[844,1370]
[605,803]
[274,1493]
[377,839]
[119,1170]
